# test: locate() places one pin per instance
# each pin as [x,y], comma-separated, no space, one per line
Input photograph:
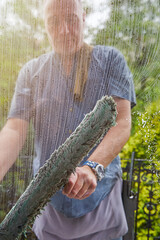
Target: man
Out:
[55,91]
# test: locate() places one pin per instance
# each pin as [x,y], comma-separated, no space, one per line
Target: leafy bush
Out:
[145,141]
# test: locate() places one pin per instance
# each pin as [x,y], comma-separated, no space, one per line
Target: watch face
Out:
[100,171]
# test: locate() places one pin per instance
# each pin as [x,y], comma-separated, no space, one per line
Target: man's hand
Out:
[81,184]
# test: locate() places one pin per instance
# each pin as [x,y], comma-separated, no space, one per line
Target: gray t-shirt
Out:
[105,222]
[45,94]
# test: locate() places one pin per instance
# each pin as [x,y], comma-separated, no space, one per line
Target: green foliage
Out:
[133,28]
[17,46]
[146,140]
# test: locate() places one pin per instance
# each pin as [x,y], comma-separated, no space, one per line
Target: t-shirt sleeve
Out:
[120,80]
[21,106]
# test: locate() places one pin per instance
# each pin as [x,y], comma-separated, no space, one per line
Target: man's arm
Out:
[12,138]
[83,183]
[117,136]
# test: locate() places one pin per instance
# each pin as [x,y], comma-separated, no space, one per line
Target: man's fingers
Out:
[84,194]
[70,185]
[81,184]
[86,190]
[75,190]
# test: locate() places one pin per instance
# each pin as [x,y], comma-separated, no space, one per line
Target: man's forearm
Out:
[11,142]
[83,183]
[111,144]
[117,136]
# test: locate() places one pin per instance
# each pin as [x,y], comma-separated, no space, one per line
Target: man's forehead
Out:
[56,7]
[63,4]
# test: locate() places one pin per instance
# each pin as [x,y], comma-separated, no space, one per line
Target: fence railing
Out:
[141,195]
[143,190]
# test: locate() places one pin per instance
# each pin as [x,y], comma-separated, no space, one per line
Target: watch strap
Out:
[90,164]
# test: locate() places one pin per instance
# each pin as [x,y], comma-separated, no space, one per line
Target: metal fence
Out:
[141,195]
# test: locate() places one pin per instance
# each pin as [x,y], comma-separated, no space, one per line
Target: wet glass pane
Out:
[57,61]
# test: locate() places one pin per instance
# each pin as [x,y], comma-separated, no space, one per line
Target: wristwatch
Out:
[97,168]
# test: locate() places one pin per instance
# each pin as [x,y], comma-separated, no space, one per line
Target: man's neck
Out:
[67,62]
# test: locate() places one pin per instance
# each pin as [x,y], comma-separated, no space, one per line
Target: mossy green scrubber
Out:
[57,169]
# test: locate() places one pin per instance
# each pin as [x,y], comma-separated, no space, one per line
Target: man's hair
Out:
[45,1]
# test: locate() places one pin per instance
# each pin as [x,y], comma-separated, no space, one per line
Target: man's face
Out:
[64,21]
